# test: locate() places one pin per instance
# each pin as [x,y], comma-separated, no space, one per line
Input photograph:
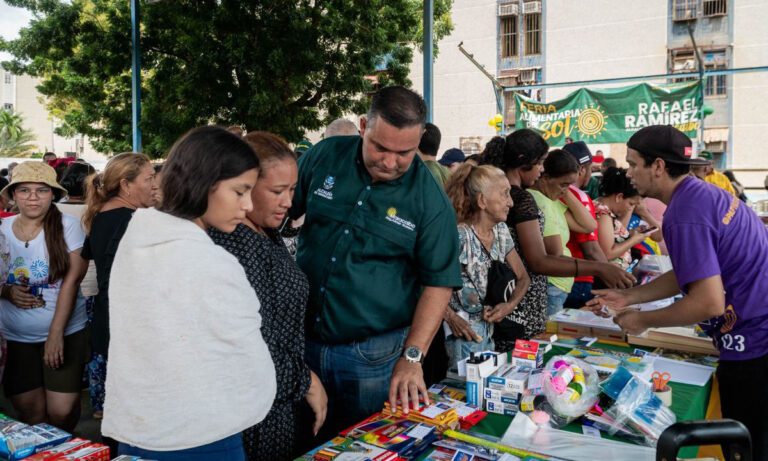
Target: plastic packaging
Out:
[637,407]
[524,434]
[573,397]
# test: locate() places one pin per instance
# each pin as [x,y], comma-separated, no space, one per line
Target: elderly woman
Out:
[188,367]
[480,196]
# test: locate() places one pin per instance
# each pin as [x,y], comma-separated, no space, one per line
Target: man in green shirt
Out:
[380,248]
[428,147]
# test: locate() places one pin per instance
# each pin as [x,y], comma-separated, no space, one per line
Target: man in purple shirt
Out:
[719,251]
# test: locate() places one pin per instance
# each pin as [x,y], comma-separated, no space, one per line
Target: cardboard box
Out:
[528,353]
[64,448]
[501,396]
[478,371]
[500,408]
[514,381]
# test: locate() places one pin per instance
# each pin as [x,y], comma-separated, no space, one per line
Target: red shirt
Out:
[577,238]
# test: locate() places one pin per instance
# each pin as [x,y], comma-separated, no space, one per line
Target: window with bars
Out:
[716,85]
[713,8]
[508,36]
[533,33]
[8,107]
[8,77]
[683,10]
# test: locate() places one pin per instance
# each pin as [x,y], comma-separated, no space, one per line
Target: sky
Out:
[11,21]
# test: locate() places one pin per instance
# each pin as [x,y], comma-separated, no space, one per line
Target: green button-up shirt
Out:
[369,248]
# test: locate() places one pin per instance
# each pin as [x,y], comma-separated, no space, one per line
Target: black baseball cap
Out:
[452,156]
[580,152]
[665,142]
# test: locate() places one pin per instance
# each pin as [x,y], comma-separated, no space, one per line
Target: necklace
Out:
[27,236]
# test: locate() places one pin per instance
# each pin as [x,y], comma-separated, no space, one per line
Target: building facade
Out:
[20,95]
[551,41]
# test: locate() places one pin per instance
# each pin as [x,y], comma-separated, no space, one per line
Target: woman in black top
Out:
[282,290]
[127,183]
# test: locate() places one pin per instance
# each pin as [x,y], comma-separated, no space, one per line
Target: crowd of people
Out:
[205,336]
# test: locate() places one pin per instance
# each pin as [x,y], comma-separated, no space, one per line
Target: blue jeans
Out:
[356,376]
[229,449]
[459,348]
[579,295]
[555,299]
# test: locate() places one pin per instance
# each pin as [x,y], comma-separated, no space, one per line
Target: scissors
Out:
[660,380]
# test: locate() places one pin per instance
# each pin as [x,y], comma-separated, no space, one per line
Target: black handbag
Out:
[501,280]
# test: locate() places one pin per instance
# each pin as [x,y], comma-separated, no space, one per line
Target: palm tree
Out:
[15,140]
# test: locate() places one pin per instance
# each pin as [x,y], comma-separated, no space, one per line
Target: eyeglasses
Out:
[26,192]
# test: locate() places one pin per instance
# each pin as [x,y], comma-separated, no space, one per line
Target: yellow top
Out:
[720,180]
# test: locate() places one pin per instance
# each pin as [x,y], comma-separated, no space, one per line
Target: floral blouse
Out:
[474,267]
[620,234]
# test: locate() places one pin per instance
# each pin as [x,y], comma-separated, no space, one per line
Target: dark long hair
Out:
[58,252]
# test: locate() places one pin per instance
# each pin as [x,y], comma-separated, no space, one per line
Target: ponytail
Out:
[58,253]
[95,198]
[101,187]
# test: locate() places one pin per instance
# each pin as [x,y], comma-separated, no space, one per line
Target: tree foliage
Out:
[282,66]
[15,139]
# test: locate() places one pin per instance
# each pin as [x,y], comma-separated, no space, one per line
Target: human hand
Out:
[631,321]
[461,328]
[53,351]
[616,300]
[407,383]
[637,236]
[19,295]
[615,277]
[497,313]
[318,401]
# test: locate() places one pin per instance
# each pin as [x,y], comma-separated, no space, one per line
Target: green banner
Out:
[612,115]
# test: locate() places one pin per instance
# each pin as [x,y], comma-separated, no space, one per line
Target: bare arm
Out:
[610,248]
[705,300]
[592,251]
[65,303]
[408,378]
[539,261]
[554,245]
[664,286]
[642,211]
[579,219]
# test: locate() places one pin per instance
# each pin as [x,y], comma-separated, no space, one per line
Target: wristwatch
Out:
[413,354]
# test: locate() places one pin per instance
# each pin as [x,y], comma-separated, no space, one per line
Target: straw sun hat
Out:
[37,172]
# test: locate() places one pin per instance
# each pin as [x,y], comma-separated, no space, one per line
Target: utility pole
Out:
[135,76]
[428,46]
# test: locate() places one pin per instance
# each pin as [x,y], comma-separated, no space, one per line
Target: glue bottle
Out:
[563,376]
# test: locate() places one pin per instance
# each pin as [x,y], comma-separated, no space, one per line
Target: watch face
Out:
[413,353]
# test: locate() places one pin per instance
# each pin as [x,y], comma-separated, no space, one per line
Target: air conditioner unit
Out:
[531,7]
[509,9]
[527,75]
[686,14]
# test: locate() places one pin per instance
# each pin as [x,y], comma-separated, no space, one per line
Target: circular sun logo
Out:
[392,212]
[591,121]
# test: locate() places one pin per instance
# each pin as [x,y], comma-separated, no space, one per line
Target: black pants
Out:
[744,397]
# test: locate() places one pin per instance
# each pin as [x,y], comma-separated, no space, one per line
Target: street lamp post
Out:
[428,59]
[135,77]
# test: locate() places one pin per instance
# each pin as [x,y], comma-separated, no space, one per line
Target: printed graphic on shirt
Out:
[35,274]
[735,202]
[729,319]
[326,190]
[394,218]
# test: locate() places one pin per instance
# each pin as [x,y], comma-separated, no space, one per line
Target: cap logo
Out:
[687,152]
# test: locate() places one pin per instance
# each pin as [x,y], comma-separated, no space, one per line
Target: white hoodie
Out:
[187,362]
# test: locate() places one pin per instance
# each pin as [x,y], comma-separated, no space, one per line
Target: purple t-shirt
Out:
[710,232]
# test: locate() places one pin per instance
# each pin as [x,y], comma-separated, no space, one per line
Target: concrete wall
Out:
[750,92]
[464,100]
[596,39]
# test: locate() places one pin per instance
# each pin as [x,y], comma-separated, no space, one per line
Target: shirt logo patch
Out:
[325,190]
[395,219]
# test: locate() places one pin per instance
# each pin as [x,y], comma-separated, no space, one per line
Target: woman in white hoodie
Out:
[188,367]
